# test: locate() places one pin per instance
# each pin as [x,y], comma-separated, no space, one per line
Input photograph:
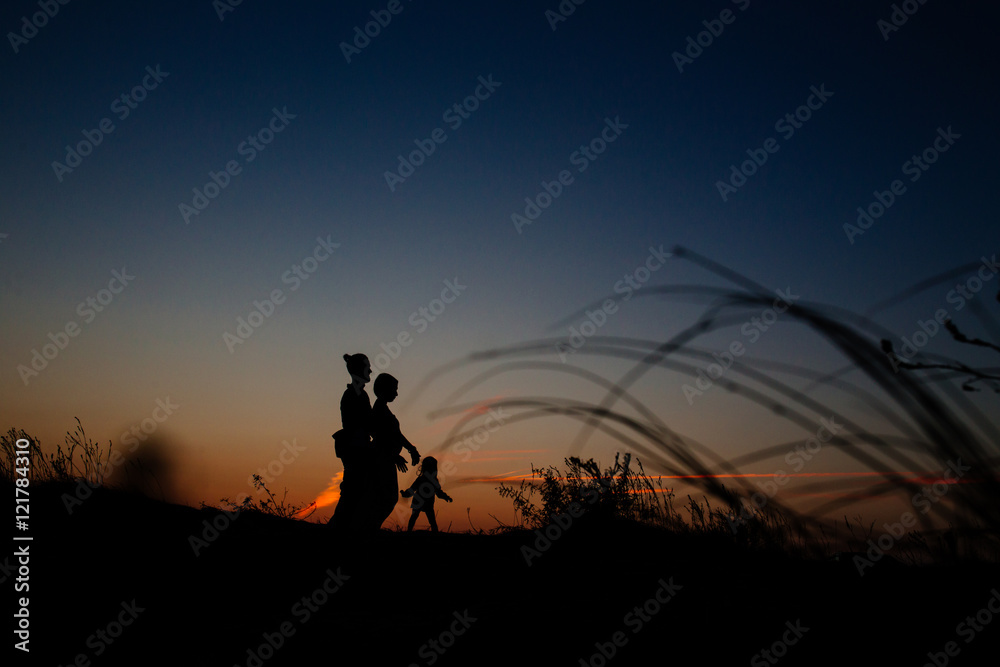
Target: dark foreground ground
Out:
[459,599]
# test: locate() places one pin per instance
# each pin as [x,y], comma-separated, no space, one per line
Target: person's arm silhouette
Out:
[386,389]
[414,454]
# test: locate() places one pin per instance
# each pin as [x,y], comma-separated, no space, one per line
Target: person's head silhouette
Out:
[359,367]
[386,387]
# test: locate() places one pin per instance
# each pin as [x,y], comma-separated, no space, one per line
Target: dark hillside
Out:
[396,593]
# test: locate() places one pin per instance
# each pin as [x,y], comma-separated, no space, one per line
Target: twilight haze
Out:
[206,204]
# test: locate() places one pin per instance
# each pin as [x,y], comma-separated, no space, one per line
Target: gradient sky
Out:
[323,176]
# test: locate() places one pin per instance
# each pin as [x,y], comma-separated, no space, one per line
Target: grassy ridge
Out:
[402,590]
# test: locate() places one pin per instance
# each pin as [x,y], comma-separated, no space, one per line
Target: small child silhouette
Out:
[423,490]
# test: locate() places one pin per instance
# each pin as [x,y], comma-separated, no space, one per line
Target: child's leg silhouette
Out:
[413,520]
[430,517]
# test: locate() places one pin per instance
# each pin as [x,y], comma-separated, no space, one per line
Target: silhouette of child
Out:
[423,490]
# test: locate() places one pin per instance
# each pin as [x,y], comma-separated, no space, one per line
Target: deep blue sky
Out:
[324,176]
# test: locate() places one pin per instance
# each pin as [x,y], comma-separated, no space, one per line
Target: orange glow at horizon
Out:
[328,496]
[331,495]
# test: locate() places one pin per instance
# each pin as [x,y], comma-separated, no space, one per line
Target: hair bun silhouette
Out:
[356,363]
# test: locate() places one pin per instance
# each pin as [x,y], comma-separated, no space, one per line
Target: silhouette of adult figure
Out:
[353,446]
[388,441]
